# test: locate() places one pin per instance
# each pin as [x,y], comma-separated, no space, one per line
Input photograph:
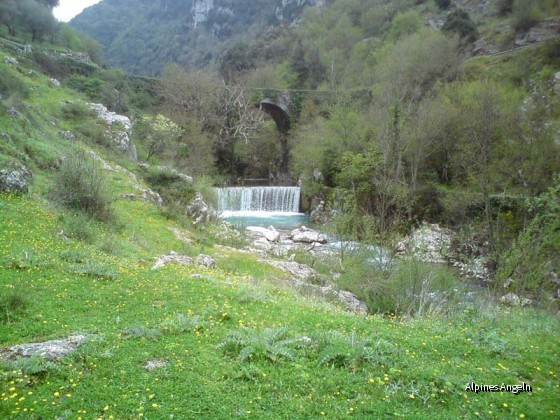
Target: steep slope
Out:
[141,36]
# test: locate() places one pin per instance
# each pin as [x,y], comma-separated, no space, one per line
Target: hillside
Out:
[141,36]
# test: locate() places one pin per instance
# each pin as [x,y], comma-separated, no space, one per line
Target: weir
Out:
[259,199]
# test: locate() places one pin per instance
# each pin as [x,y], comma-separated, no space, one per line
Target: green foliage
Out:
[405,24]
[443,4]
[269,344]
[460,22]
[532,264]
[12,306]
[11,83]
[80,184]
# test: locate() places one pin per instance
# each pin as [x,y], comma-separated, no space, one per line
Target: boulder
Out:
[206,261]
[54,83]
[172,258]
[199,211]
[511,299]
[538,33]
[50,350]
[13,181]
[67,135]
[270,233]
[429,243]
[119,136]
[309,236]
[321,215]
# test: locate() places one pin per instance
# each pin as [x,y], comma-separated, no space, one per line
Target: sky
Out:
[70,8]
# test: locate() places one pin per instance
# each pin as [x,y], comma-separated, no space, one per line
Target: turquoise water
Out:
[279,220]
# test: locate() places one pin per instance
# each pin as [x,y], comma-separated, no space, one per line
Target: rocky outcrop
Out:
[172,258]
[205,261]
[199,211]
[270,233]
[50,350]
[172,173]
[538,33]
[429,243]
[308,236]
[15,181]
[120,129]
[321,215]
[175,258]
[511,299]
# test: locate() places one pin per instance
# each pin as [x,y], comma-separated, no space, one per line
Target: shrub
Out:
[11,84]
[80,184]
[526,14]
[461,23]
[12,306]
[443,4]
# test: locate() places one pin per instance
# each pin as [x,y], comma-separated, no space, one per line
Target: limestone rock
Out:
[54,83]
[350,301]
[511,299]
[172,258]
[67,135]
[309,236]
[11,60]
[120,137]
[155,364]
[429,243]
[296,270]
[270,233]
[13,181]
[321,215]
[199,211]
[50,350]
[538,33]
[206,261]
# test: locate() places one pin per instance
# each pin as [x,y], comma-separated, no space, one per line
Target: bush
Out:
[526,14]
[532,265]
[11,84]
[80,184]
[461,23]
[443,4]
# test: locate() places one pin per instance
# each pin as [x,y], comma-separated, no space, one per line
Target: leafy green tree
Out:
[460,22]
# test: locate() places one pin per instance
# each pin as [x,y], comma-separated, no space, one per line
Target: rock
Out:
[13,181]
[305,235]
[150,196]
[120,137]
[53,82]
[350,301]
[538,33]
[155,364]
[13,113]
[172,258]
[50,350]
[11,60]
[206,261]
[429,243]
[318,175]
[174,174]
[296,270]
[511,299]
[67,135]
[270,233]
[129,196]
[199,211]
[321,215]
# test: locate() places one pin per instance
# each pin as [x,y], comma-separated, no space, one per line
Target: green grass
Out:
[235,348]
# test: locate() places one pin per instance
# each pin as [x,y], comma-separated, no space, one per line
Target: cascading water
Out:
[269,199]
[260,206]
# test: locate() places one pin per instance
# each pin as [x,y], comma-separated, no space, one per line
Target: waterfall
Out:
[262,199]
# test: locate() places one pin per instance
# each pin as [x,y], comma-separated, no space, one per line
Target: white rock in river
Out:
[303,234]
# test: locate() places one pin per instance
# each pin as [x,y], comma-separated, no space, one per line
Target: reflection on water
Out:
[280,220]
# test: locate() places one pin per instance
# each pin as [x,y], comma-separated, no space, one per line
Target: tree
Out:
[158,132]
[460,22]
[36,18]
[224,113]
